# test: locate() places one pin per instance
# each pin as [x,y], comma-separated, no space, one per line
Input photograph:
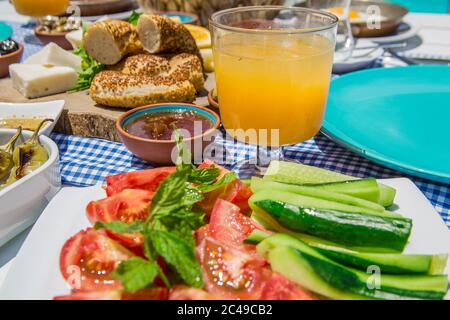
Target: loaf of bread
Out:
[180,67]
[160,34]
[110,40]
[117,89]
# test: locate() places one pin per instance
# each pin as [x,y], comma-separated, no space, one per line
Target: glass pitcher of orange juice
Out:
[40,8]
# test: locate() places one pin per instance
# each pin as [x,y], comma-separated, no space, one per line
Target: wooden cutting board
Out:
[82,116]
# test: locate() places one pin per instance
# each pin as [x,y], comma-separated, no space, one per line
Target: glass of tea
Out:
[273,67]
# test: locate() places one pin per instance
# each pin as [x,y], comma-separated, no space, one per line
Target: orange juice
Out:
[41,8]
[273,82]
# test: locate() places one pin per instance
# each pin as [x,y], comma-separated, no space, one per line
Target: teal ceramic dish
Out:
[5,31]
[396,117]
[160,151]
[185,17]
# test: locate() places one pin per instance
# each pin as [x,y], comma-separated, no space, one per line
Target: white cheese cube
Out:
[75,38]
[54,55]
[33,80]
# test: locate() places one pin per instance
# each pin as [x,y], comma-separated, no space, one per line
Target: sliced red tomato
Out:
[155,293]
[236,192]
[239,193]
[131,241]
[187,293]
[145,179]
[228,224]
[127,206]
[92,295]
[231,273]
[278,287]
[88,258]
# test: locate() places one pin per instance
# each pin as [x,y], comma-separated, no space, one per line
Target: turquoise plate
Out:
[397,117]
[5,31]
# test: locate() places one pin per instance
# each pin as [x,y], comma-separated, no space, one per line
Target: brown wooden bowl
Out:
[8,59]
[57,37]
[212,102]
[159,152]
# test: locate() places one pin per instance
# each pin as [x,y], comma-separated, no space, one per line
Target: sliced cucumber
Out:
[389,263]
[387,195]
[265,220]
[367,189]
[310,202]
[259,184]
[314,271]
[352,229]
[257,236]
[286,261]
[296,173]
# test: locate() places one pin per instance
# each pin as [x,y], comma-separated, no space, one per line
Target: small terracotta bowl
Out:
[159,152]
[57,37]
[212,102]
[8,59]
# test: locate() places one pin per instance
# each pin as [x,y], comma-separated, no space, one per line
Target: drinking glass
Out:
[345,42]
[273,66]
[40,8]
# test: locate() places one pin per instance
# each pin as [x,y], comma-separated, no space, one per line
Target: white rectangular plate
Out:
[35,274]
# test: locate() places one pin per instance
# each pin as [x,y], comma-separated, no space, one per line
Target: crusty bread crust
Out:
[116,89]
[187,66]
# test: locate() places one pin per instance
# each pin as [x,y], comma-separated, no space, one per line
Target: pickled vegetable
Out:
[28,156]
[6,154]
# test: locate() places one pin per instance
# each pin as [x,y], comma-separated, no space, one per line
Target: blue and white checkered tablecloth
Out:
[87,161]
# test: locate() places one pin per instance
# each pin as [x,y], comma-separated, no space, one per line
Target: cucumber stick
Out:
[389,263]
[366,189]
[317,203]
[352,229]
[258,184]
[314,271]
[266,220]
[296,173]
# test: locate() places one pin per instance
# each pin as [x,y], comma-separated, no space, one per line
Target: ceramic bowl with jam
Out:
[148,132]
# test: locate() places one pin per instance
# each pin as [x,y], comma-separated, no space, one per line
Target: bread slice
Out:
[110,40]
[159,34]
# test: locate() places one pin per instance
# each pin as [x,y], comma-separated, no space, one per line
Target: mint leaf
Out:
[134,17]
[183,223]
[121,227]
[136,273]
[226,179]
[173,194]
[179,255]
[204,175]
